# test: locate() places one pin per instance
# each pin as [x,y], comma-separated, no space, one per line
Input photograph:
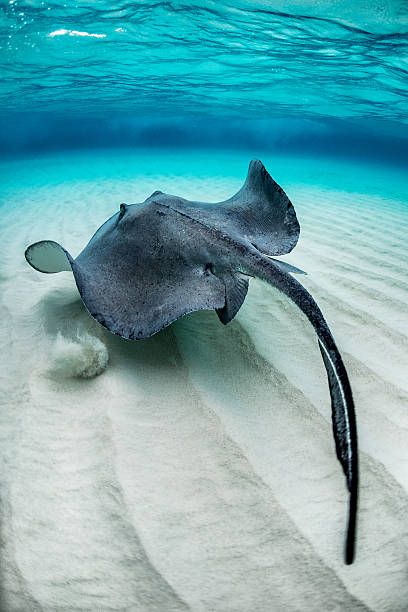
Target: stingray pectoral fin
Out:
[343,414]
[236,288]
[262,212]
[49,257]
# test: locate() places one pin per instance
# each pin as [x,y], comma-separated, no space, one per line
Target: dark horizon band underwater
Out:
[41,132]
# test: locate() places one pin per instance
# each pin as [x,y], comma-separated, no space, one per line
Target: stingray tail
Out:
[343,413]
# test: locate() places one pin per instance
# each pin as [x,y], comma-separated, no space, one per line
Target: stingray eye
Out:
[122,210]
[209,269]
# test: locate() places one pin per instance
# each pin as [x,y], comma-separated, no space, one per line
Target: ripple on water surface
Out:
[343,59]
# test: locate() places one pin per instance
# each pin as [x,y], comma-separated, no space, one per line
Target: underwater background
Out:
[196,469]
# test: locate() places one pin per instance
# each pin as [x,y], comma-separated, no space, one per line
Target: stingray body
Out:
[153,262]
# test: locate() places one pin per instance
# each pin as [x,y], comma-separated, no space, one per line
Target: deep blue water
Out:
[326,76]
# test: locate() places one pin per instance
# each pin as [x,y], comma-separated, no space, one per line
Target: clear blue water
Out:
[325,75]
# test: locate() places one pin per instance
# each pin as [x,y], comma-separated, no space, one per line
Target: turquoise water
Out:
[299,75]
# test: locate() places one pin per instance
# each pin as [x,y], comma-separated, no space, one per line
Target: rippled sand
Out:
[198,470]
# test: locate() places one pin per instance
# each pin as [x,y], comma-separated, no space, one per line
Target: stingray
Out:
[151,263]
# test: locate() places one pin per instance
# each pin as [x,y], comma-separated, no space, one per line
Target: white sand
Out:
[198,469]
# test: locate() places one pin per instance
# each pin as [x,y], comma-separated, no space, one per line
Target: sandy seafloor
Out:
[198,470]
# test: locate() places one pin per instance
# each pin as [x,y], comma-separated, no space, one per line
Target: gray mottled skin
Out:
[153,262]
